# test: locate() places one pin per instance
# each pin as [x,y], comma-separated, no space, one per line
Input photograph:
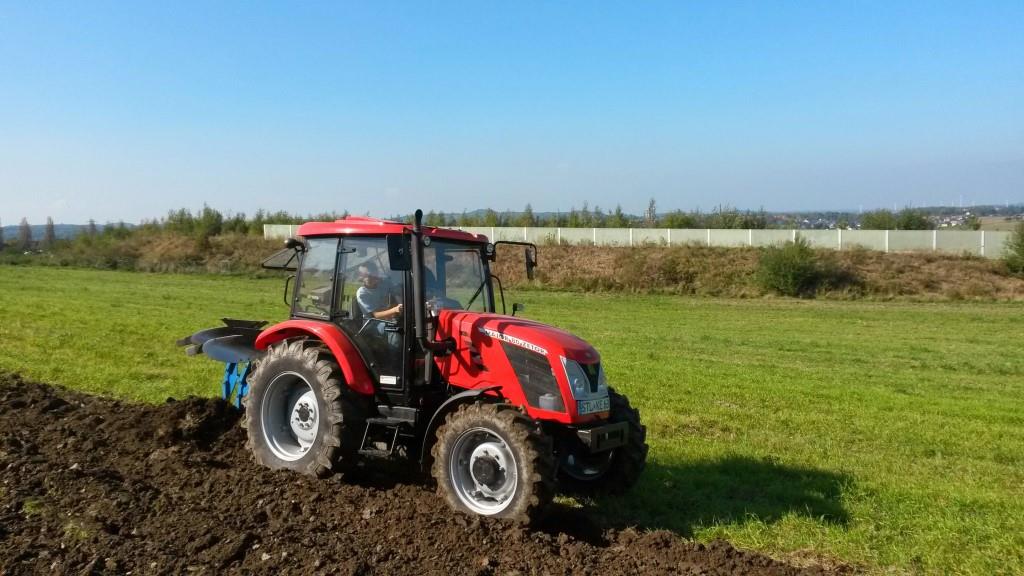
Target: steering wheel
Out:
[438,303]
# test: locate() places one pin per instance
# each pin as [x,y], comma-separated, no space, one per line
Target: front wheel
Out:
[493,461]
[612,472]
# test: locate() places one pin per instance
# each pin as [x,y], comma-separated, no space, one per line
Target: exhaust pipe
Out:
[419,302]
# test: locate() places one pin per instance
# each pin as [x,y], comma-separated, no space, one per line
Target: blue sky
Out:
[125,110]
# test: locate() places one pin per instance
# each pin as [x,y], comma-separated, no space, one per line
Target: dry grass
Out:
[1000,222]
[688,270]
[159,252]
[712,271]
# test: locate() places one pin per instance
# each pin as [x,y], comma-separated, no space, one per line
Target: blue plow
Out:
[234,345]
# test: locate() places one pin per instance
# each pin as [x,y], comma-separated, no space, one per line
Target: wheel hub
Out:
[304,418]
[487,471]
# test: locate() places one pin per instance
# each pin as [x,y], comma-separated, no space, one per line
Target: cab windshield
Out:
[455,276]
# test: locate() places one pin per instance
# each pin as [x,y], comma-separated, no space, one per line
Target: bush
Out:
[1015,251]
[790,270]
[910,219]
[906,219]
[878,220]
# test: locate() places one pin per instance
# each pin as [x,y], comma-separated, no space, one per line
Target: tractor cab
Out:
[358,274]
[394,346]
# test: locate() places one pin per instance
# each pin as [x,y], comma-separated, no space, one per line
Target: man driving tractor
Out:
[374,294]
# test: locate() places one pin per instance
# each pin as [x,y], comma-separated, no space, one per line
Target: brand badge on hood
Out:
[513,340]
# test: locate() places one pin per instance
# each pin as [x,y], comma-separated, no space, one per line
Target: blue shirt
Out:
[372,299]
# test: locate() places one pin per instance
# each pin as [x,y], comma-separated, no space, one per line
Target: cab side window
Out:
[369,284]
[315,290]
[464,278]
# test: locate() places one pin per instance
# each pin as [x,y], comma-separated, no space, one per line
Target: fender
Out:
[357,377]
[449,405]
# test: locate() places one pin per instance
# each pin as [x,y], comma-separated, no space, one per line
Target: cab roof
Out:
[362,225]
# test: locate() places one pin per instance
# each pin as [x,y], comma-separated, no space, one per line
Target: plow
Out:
[233,344]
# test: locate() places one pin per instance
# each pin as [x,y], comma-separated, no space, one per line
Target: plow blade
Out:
[232,343]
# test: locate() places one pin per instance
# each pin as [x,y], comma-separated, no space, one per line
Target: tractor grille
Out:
[535,377]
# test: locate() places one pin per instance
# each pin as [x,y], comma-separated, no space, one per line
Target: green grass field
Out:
[888,435]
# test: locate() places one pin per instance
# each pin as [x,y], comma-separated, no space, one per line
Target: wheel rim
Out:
[290,416]
[483,471]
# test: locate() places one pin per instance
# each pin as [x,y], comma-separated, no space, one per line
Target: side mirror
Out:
[530,251]
[295,244]
[517,307]
[398,252]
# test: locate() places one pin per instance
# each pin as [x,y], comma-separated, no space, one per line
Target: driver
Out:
[373,295]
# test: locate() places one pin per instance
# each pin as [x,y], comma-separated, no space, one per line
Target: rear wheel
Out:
[611,472]
[299,413]
[493,461]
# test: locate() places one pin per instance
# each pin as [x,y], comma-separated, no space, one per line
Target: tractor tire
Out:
[299,414]
[492,460]
[615,473]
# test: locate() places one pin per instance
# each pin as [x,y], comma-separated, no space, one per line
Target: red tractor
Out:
[505,411]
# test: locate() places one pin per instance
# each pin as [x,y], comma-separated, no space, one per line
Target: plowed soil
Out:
[90,485]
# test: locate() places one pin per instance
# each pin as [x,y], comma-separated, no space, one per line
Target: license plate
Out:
[590,406]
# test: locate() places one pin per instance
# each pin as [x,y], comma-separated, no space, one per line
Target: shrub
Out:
[790,270]
[1015,251]
[878,220]
[910,219]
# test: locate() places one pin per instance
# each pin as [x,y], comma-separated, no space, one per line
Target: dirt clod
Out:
[90,485]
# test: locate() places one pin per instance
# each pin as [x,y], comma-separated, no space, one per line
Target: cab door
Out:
[370,293]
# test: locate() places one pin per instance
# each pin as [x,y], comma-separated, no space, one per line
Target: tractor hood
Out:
[524,359]
[541,338]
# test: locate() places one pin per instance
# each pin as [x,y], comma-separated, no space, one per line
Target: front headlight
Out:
[578,381]
[602,382]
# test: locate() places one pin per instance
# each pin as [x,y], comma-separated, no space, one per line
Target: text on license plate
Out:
[589,406]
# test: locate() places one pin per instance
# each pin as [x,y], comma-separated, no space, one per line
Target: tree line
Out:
[721,217]
[209,222]
[586,217]
[24,240]
[202,225]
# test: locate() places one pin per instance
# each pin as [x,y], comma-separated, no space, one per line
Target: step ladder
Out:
[389,428]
